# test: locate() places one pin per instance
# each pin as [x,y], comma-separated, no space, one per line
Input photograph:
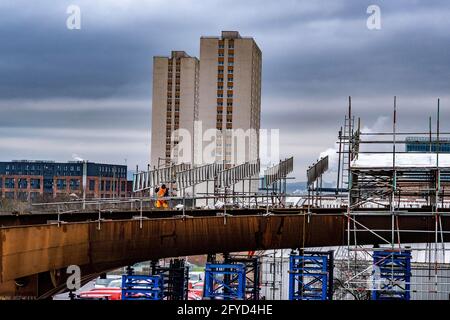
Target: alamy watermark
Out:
[74,279]
[374,20]
[202,146]
[73,21]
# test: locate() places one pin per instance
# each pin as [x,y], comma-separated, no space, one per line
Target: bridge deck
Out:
[47,249]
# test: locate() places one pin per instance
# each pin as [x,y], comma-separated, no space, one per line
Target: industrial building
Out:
[33,180]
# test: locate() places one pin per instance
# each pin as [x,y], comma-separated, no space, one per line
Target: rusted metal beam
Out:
[38,249]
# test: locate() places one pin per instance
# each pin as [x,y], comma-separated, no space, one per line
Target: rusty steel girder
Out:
[39,250]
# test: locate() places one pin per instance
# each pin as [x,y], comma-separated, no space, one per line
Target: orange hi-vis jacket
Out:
[161,203]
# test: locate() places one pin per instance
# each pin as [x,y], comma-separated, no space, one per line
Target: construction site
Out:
[399,176]
[379,234]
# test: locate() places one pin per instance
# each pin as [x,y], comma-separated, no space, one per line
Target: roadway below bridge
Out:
[35,253]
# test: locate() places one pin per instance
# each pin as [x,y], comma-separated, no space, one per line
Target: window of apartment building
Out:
[34,195]
[221,46]
[219,87]
[220,104]
[220,71]
[220,63]
[231,63]
[230,79]
[123,186]
[23,196]
[102,186]
[108,185]
[9,183]
[23,183]
[74,184]
[231,44]
[9,195]
[61,184]
[231,55]
[220,80]
[230,95]
[229,104]
[220,95]
[230,71]
[221,54]
[91,185]
[230,87]
[35,183]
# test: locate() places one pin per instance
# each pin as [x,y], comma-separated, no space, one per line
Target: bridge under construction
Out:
[385,200]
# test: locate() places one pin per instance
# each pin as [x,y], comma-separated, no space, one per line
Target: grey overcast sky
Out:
[88,92]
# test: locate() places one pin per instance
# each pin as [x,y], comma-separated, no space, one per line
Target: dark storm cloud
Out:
[315,53]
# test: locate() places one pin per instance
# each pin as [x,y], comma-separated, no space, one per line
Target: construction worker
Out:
[162,192]
[155,195]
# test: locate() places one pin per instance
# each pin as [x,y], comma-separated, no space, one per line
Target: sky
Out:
[67,94]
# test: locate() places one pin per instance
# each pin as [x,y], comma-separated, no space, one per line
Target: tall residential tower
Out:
[175,105]
[230,93]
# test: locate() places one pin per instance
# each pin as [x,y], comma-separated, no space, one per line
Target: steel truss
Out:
[225,281]
[142,287]
[391,275]
[252,274]
[311,276]
[175,278]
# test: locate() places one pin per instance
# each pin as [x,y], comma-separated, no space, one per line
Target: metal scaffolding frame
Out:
[142,287]
[225,281]
[393,180]
[147,180]
[311,276]
[391,275]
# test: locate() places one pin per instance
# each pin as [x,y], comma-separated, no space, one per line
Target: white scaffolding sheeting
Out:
[402,160]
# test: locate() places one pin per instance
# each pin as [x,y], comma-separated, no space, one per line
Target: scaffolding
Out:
[142,287]
[175,277]
[379,175]
[311,276]
[224,281]
[391,275]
